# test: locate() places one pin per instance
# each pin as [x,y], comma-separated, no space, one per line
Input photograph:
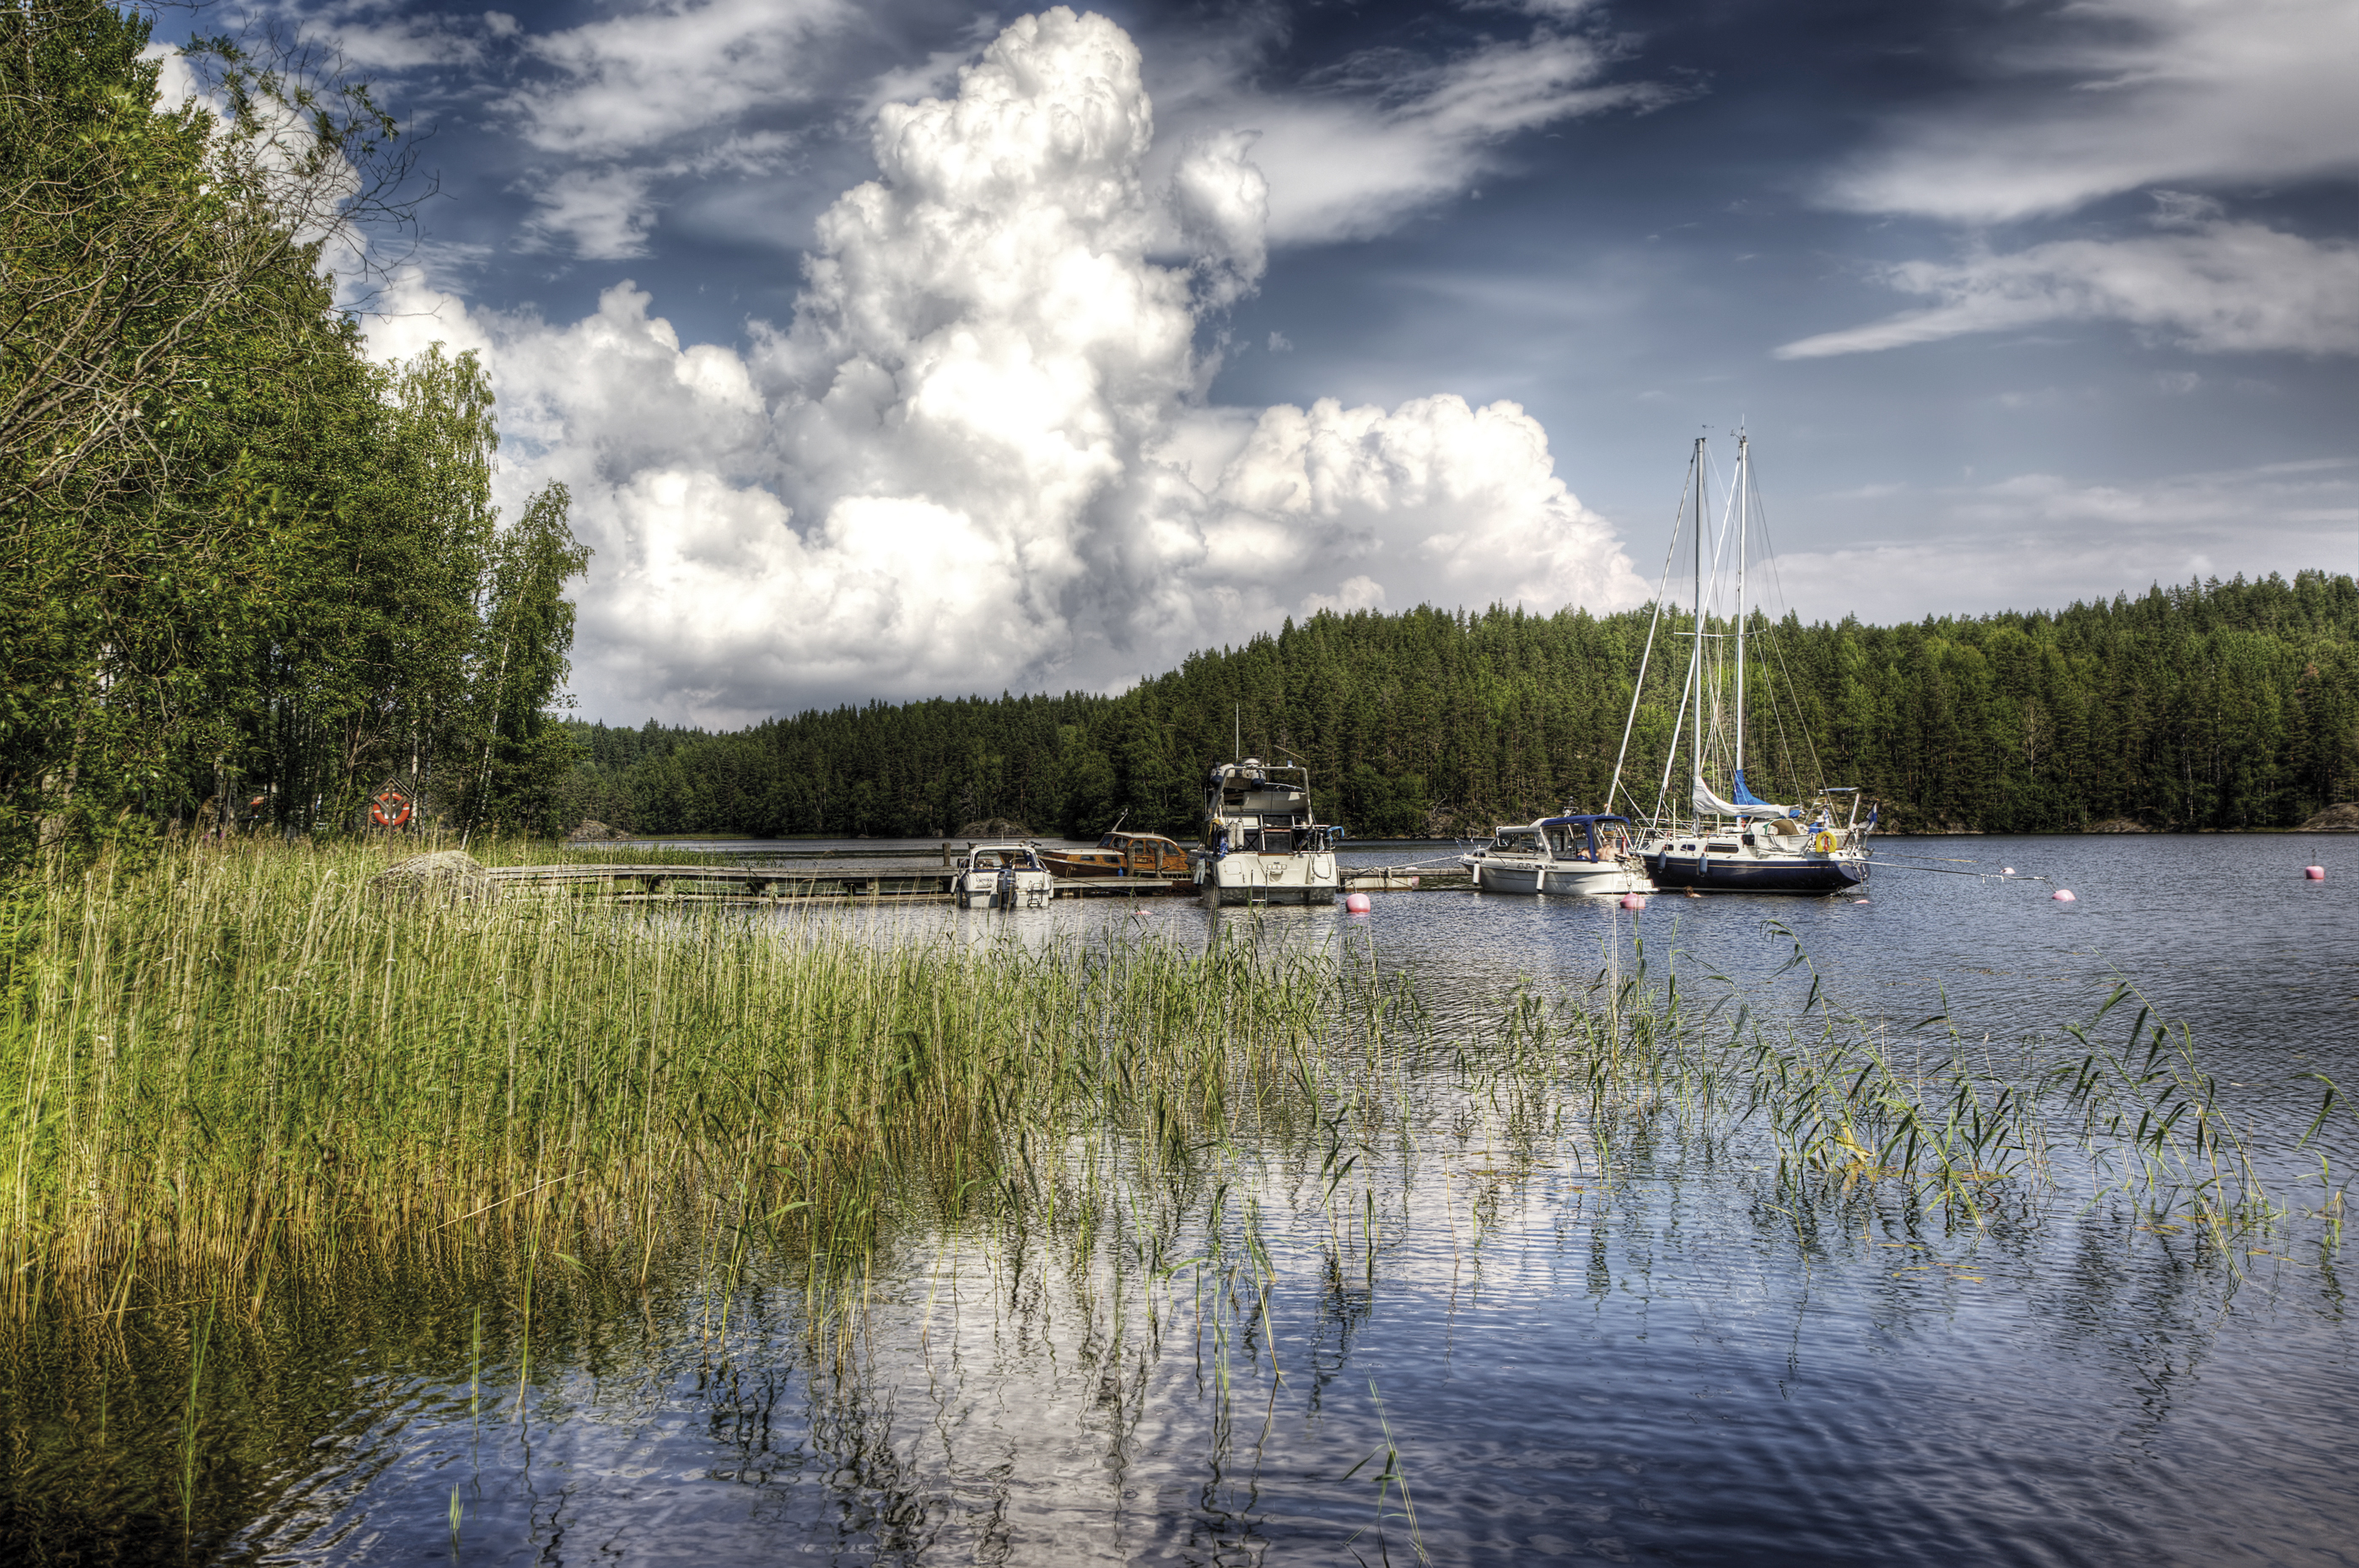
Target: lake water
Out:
[1552,1351]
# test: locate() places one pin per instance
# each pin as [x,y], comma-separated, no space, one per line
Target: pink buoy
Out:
[2313,873]
[1359,903]
[1859,900]
[2008,871]
[1632,901]
[2063,896]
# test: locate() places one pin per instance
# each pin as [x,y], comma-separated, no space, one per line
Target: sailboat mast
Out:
[1744,494]
[1695,661]
[1690,684]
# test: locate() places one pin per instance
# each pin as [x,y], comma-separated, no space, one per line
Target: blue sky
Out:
[907,349]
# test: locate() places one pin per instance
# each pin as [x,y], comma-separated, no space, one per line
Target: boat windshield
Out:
[1523,841]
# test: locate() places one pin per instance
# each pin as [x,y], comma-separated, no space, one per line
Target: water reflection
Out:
[1461,1326]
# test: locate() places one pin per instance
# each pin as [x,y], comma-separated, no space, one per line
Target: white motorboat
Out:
[1001,877]
[1261,845]
[1724,838]
[1577,853]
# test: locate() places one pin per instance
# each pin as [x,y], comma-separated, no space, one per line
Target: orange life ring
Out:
[390,809]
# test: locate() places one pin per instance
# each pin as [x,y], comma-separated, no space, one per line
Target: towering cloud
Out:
[979,454]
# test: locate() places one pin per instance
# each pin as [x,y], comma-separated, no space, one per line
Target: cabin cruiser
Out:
[1577,853]
[1120,854]
[1001,877]
[1261,845]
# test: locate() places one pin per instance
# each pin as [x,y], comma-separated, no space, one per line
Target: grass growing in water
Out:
[229,1062]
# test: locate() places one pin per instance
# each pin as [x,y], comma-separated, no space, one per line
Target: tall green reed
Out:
[230,1063]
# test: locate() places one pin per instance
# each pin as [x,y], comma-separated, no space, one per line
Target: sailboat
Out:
[1723,837]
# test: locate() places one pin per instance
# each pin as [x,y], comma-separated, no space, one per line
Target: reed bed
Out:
[226,1063]
[230,1063]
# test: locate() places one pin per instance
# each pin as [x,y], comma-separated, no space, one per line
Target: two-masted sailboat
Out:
[1725,838]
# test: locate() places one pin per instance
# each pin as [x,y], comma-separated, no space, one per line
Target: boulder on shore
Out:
[2115,824]
[593,831]
[2342,818]
[445,877]
[994,827]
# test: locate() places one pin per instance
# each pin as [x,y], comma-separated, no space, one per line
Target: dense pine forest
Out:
[248,578]
[2216,706]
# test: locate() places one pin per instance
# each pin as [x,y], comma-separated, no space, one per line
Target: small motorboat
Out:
[1001,877]
[1120,854]
[1576,852]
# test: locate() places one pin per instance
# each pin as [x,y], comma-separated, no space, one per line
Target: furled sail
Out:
[1745,805]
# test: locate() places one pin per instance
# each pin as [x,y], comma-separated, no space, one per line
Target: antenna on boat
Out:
[1237,715]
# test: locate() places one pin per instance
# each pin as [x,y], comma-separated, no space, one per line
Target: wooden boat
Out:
[1120,854]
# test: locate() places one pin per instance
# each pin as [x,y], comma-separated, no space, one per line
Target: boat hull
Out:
[1074,868]
[1609,880]
[981,890]
[1493,877]
[1745,874]
[1249,877]
[1578,878]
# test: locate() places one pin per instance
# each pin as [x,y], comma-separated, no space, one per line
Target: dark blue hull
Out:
[1731,874]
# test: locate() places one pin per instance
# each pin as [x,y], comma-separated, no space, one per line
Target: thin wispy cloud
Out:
[2213,287]
[2115,95]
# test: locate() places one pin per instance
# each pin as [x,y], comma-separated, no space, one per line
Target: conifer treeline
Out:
[2213,705]
[247,575]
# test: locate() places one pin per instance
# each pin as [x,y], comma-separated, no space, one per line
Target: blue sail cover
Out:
[1745,797]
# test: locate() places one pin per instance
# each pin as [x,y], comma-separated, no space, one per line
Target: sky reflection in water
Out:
[1646,1353]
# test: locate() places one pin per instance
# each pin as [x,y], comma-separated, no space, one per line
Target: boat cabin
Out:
[1263,808]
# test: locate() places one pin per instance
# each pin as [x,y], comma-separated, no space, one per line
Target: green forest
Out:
[248,578]
[2216,706]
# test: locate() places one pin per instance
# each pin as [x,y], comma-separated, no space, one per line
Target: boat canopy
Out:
[1588,822]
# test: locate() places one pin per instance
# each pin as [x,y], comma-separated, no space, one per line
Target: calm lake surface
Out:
[1524,1347]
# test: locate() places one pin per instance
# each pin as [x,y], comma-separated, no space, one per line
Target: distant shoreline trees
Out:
[248,574]
[2215,705]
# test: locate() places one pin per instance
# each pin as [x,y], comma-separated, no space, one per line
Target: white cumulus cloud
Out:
[979,454]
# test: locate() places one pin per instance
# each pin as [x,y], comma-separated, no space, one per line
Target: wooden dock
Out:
[775,884]
[770,884]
